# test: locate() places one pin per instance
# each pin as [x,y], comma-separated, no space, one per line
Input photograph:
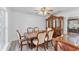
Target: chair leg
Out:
[51,43]
[21,46]
[44,47]
[30,46]
[37,48]
[55,47]
[47,45]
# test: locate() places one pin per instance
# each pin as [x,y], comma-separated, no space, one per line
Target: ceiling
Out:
[56,10]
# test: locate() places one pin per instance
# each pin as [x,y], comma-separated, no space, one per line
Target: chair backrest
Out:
[50,34]
[18,34]
[29,29]
[36,29]
[41,37]
[48,29]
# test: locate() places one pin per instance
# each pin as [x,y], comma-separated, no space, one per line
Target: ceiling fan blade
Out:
[50,10]
[57,12]
[49,13]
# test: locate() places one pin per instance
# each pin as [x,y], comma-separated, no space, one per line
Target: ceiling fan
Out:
[44,11]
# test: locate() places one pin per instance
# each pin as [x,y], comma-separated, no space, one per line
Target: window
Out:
[3,28]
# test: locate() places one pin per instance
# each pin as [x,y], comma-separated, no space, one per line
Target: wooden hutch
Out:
[56,23]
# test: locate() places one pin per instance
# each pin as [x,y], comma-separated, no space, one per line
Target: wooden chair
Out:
[29,29]
[48,29]
[40,41]
[49,37]
[22,40]
[36,29]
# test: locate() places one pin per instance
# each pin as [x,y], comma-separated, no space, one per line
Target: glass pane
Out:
[57,23]
[51,23]
[54,23]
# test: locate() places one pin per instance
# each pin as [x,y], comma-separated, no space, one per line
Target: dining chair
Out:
[49,37]
[29,29]
[40,41]
[48,29]
[36,29]
[22,40]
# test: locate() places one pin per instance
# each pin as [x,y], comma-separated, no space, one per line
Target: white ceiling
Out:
[30,10]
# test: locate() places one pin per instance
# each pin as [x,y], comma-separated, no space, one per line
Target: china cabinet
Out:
[56,23]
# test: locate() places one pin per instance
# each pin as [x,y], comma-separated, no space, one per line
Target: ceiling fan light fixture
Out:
[44,11]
